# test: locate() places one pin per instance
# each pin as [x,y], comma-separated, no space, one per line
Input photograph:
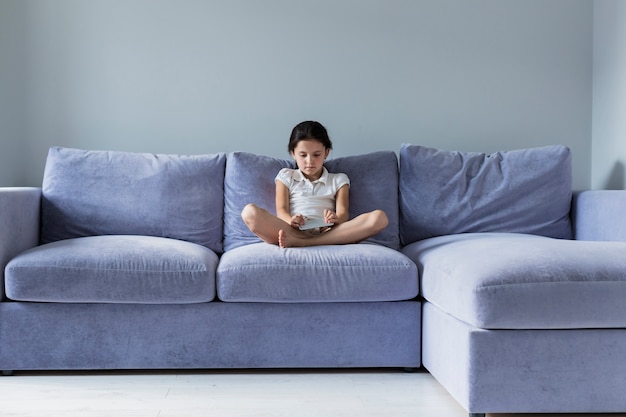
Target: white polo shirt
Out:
[311,198]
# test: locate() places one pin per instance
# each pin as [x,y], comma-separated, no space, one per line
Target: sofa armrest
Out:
[19,223]
[599,215]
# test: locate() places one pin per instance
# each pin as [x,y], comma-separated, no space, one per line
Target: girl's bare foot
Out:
[281,238]
[288,240]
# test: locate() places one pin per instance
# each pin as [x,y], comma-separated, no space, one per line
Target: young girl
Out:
[311,193]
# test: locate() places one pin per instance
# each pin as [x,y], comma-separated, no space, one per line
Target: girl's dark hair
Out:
[309,130]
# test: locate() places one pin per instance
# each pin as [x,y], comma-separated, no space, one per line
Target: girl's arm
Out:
[342,207]
[283,208]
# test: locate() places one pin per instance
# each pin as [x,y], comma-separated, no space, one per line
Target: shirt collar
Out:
[299,176]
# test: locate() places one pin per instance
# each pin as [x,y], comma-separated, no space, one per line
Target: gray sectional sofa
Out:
[494,276]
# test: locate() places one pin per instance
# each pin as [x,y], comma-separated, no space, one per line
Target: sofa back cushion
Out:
[250,179]
[520,191]
[88,193]
[373,185]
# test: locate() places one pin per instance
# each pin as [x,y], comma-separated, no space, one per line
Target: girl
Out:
[311,193]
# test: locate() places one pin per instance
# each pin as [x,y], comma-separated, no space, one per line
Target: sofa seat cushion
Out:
[113,269]
[517,281]
[360,272]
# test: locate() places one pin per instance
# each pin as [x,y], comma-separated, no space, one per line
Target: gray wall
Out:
[609,95]
[12,94]
[183,76]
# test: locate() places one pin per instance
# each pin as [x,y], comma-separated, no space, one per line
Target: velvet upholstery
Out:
[258,187]
[516,281]
[599,215]
[343,273]
[373,186]
[113,269]
[19,223]
[366,172]
[525,371]
[511,322]
[52,336]
[88,193]
[521,191]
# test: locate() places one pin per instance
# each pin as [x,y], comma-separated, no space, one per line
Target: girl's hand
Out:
[330,216]
[297,221]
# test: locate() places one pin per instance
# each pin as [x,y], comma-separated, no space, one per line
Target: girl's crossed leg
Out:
[275,231]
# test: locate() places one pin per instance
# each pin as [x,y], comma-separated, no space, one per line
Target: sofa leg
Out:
[476,414]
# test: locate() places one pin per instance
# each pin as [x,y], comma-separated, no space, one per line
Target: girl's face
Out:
[310,155]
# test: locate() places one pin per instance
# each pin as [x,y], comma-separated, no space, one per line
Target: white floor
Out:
[362,393]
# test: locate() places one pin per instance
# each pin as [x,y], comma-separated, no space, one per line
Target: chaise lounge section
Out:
[526,322]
